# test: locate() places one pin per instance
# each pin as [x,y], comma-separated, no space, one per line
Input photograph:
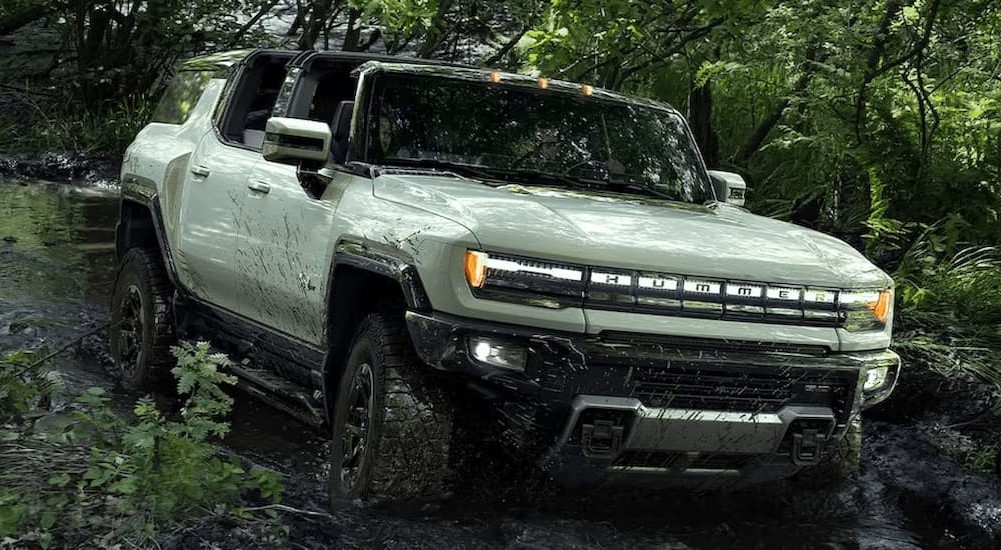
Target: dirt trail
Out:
[56,267]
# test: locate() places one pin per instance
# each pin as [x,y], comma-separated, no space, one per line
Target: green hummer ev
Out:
[423,257]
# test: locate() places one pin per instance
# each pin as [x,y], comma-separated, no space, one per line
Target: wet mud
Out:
[56,270]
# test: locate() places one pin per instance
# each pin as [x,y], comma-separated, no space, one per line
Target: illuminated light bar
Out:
[741,290]
[702,287]
[783,293]
[647,282]
[614,279]
[820,296]
[859,299]
[554,271]
[545,283]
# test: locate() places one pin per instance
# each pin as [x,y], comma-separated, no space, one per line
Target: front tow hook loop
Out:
[807,447]
[601,439]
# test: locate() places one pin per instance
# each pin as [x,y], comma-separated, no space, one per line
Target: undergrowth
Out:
[52,126]
[82,474]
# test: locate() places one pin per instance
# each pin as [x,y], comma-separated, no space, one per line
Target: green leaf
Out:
[47,520]
[60,480]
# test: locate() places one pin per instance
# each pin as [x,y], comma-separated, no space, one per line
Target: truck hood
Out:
[634,232]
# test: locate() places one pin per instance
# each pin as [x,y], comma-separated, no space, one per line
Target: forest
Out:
[876,121]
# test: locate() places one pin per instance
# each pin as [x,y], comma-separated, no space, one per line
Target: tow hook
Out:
[601,439]
[807,447]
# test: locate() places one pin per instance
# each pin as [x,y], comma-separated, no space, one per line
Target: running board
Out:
[280,393]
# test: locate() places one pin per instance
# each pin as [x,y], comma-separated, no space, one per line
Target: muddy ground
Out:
[56,265]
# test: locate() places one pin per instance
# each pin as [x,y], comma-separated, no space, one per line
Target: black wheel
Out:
[142,328]
[392,421]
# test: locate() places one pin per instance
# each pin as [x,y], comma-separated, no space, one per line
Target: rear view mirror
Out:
[729,186]
[290,140]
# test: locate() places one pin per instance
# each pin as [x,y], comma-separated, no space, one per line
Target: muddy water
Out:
[56,269]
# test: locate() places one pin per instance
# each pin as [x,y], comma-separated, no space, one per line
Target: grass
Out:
[50,127]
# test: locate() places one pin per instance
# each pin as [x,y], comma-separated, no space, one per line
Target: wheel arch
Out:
[363,281]
[140,224]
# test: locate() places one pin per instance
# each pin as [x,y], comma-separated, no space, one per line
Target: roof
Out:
[221,60]
[477,74]
[398,64]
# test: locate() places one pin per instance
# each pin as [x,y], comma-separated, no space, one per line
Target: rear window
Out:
[181,96]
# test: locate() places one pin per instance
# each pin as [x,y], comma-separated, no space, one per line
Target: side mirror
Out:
[290,140]
[730,187]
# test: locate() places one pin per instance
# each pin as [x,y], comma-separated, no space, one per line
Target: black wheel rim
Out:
[130,331]
[355,441]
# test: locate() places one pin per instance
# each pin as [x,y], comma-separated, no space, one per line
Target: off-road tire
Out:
[410,427]
[840,462]
[142,358]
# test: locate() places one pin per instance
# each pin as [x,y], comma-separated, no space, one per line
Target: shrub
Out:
[106,478]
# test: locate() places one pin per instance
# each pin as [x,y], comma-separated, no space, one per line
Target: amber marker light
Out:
[476,268]
[881,307]
[542,83]
[588,90]
[495,77]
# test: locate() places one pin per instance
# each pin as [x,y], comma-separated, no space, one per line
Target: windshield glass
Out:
[511,131]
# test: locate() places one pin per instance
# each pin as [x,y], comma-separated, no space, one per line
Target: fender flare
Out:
[380,263]
[395,267]
[141,192]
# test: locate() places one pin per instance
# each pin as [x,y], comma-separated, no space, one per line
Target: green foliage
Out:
[105,131]
[23,385]
[102,477]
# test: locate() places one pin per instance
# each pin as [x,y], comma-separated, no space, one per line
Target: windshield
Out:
[511,132]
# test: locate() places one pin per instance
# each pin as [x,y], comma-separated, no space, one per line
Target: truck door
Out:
[208,220]
[283,258]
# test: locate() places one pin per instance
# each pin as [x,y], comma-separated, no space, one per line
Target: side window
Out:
[181,96]
[252,102]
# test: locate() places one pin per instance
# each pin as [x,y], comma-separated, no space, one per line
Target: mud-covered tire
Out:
[408,438]
[142,326]
[840,462]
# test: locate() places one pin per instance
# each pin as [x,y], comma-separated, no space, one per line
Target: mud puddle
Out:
[57,267]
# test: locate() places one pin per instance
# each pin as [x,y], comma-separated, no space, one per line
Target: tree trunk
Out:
[700,111]
[353,35]
[318,15]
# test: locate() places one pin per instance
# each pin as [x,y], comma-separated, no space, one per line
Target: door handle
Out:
[200,170]
[259,186]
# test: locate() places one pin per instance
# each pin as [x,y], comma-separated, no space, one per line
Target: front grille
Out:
[742,388]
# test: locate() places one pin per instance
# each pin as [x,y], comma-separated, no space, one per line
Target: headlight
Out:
[866,310]
[499,353]
[875,378]
[534,282]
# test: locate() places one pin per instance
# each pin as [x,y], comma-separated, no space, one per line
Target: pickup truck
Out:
[423,257]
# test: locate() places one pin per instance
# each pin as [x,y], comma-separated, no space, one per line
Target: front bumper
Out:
[648,404]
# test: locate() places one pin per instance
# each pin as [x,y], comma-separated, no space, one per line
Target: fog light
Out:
[875,378]
[502,354]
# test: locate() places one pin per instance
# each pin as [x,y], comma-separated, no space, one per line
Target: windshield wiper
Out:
[646,189]
[461,168]
[549,177]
